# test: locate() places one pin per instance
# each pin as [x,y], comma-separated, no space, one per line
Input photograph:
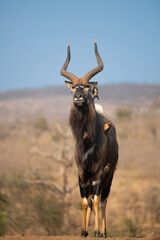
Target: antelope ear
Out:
[94,89]
[69,84]
[92,85]
[95,93]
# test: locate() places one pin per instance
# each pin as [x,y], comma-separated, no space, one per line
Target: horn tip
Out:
[95,41]
[68,44]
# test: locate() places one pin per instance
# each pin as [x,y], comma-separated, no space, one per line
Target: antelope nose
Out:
[78,95]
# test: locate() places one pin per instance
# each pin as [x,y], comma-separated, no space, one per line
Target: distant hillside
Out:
[129,92]
[112,92]
[55,102]
[33,93]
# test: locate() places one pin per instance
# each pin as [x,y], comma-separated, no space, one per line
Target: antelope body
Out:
[96,150]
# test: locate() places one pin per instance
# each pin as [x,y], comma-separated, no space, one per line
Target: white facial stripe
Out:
[79,86]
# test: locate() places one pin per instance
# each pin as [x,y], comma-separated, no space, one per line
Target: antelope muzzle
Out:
[79,97]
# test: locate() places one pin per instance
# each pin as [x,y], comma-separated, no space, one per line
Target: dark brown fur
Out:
[87,119]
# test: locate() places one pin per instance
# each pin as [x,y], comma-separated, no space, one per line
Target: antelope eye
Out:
[73,87]
[87,86]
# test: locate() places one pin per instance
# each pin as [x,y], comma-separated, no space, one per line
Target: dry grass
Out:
[29,204]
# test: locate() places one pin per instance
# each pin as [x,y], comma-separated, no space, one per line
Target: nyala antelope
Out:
[96,148]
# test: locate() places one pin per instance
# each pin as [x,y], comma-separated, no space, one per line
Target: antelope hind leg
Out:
[103,207]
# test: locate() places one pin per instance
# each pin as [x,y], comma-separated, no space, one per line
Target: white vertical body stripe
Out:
[89,151]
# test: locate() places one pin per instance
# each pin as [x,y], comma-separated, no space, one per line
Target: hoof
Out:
[104,235]
[97,233]
[84,233]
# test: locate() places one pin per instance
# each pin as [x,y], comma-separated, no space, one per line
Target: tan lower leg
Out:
[103,206]
[96,209]
[89,210]
[84,210]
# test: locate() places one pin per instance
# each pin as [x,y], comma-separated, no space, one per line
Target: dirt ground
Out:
[19,237]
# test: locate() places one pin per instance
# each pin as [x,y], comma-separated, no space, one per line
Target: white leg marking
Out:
[95,197]
[85,200]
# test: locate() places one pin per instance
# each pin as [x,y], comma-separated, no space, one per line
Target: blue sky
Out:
[34,35]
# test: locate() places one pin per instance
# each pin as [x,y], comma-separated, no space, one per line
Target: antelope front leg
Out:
[96,210]
[89,211]
[84,231]
[103,206]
